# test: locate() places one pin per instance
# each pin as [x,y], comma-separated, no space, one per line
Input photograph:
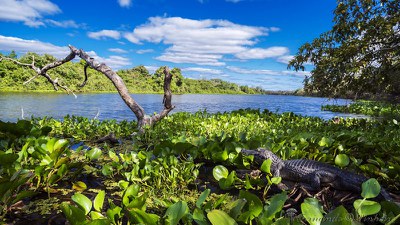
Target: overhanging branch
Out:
[111,75]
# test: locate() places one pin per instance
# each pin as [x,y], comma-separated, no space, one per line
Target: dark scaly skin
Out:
[311,172]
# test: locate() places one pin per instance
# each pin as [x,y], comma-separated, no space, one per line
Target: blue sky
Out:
[248,42]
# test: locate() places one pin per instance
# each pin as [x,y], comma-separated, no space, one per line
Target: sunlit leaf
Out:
[220,172]
[83,202]
[218,217]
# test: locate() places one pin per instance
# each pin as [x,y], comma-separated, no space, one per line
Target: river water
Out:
[14,106]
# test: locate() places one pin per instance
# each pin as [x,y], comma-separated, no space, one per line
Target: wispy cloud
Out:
[103,34]
[23,46]
[115,62]
[262,53]
[28,11]
[117,50]
[143,51]
[240,70]
[125,3]
[203,42]
[63,24]
[151,69]
[202,70]
[285,59]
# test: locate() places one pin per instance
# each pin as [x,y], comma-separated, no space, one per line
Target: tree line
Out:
[137,79]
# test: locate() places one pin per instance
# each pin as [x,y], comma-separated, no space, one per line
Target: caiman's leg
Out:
[315,179]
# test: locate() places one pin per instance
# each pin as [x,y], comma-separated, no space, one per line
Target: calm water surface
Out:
[111,106]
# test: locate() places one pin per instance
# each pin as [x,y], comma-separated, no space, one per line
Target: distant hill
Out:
[137,79]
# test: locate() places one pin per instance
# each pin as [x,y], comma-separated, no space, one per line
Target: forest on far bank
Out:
[137,79]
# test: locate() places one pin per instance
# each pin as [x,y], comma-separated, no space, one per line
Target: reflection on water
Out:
[111,106]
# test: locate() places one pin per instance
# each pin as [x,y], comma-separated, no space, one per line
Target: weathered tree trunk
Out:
[119,84]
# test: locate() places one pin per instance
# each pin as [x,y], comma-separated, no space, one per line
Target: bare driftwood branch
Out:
[111,75]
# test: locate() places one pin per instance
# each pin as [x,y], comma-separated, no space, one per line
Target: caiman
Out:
[313,173]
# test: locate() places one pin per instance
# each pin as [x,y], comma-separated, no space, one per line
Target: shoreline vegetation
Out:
[137,79]
[185,166]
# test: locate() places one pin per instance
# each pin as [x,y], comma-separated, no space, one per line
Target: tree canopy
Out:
[137,79]
[359,55]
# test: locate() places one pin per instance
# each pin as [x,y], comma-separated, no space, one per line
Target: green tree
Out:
[177,76]
[359,55]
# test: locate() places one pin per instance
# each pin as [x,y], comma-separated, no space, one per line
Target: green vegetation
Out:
[184,169]
[359,56]
[137,79]
[371,108]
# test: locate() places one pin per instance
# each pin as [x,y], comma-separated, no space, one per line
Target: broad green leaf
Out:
[276,180]
[138,202]
[370,188]
[202,198]
[311,211]
[236,207]
[366,207]
[107,170]
[199,218]
[8,159]
[99,200]
[176,212]
[141,217]
[226,183]
[96,215]
[131,192]
[275,204]
[218,217]
[74,215]
[114,213]
[83,202]
[113,156]
[266,166]
[50,145]
[253,208]
[79,186]
[342,160]
[93,153]
[325,142]
[220,172]
[338,216]
[60,144]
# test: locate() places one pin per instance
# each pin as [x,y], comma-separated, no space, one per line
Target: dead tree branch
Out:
[119,84]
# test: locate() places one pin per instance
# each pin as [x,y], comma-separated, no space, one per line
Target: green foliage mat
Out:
[183,170]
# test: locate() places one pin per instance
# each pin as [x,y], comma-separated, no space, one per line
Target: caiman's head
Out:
[262,154]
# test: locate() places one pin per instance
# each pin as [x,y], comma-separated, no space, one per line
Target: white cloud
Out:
[203,42]
[200,59]
[125,3]
[63,24]
[262,53]
[251,71]
[151,69]
[266,72]
[143,51]
[23,46]
[105,34]
[117,50]
[202,70]
[285,59]
[115,62]
[28,11]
